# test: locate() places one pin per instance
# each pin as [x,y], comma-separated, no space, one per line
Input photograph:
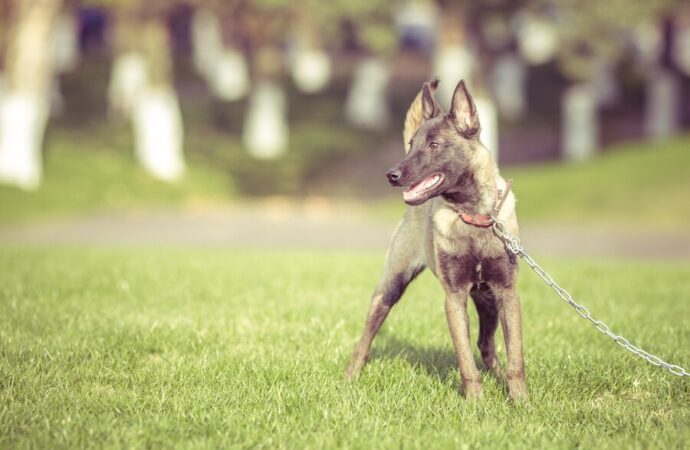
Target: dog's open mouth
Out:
[419,192]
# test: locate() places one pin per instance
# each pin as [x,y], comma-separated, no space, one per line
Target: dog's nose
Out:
[394,175]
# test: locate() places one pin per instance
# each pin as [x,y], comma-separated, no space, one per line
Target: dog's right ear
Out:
[423,107]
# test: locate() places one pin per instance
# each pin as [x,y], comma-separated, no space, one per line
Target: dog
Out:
[454,192]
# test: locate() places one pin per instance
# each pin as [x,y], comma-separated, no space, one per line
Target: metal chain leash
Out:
[513,245]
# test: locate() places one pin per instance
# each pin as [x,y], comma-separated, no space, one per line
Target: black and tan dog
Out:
[453,188]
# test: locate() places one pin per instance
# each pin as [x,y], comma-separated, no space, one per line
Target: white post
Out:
[367,103]
[579,126]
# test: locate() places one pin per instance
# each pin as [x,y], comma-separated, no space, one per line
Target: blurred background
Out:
[272,122]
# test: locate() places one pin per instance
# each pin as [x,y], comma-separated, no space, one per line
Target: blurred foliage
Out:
[593,32]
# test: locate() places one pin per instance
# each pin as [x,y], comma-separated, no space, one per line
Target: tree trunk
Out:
[65,47]
[220,63]
[158,135]
[537,38]
[65,44]
[367,103]
[127,79]
[663,104]
[508,80]
[25,102]
[266,132]
[207,41]
[579,127]
[488,119]
[141,88]
[453,60]
[229,77]
[309,63]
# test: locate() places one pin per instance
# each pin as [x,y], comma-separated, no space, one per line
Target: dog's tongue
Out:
[415,191]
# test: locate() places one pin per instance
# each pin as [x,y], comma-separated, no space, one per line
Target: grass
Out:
[89,171]
[634,184]
[141,348]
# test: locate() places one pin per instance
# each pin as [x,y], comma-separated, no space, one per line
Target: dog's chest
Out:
[465,253]
[453,236]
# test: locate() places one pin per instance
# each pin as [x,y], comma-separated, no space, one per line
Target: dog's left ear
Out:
[423,107]
[463,112]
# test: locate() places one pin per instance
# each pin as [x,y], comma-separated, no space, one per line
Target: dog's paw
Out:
[517,390]
[355,366]
[351,372]
[473,389]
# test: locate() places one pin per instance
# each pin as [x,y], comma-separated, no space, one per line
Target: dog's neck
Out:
[475,191]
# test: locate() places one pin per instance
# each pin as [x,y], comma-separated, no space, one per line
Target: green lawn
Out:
[220,349]
[90,171]
[632,185]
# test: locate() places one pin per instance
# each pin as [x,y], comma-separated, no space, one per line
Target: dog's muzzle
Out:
[394,176]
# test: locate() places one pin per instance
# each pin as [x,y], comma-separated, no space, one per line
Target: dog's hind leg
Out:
[403,264]
[485,302]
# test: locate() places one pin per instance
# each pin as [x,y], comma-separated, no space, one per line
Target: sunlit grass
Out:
[637,184]
[219,349]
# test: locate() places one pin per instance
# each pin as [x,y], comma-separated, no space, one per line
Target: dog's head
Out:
[441,148]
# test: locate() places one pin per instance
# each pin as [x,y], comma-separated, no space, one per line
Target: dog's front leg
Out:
[459,325]
[511,322]
[403,264]
[378,311]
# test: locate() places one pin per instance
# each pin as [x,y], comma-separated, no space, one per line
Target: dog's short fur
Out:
[468,260]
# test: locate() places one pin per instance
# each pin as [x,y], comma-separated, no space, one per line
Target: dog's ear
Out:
[463,112]
[423,107]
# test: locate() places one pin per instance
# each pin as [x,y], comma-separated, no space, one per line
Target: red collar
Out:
[487,220]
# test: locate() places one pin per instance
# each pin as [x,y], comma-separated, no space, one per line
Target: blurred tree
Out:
[217,41]
[592,39]
[314,23]
[28,73]
[372,21]
[141,86]
[265,131]
[469,40]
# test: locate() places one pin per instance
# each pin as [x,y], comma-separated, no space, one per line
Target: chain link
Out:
[514,246]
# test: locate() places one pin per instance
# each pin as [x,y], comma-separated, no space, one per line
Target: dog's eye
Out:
[433,145]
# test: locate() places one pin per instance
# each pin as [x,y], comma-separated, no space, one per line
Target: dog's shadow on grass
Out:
[438,362]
